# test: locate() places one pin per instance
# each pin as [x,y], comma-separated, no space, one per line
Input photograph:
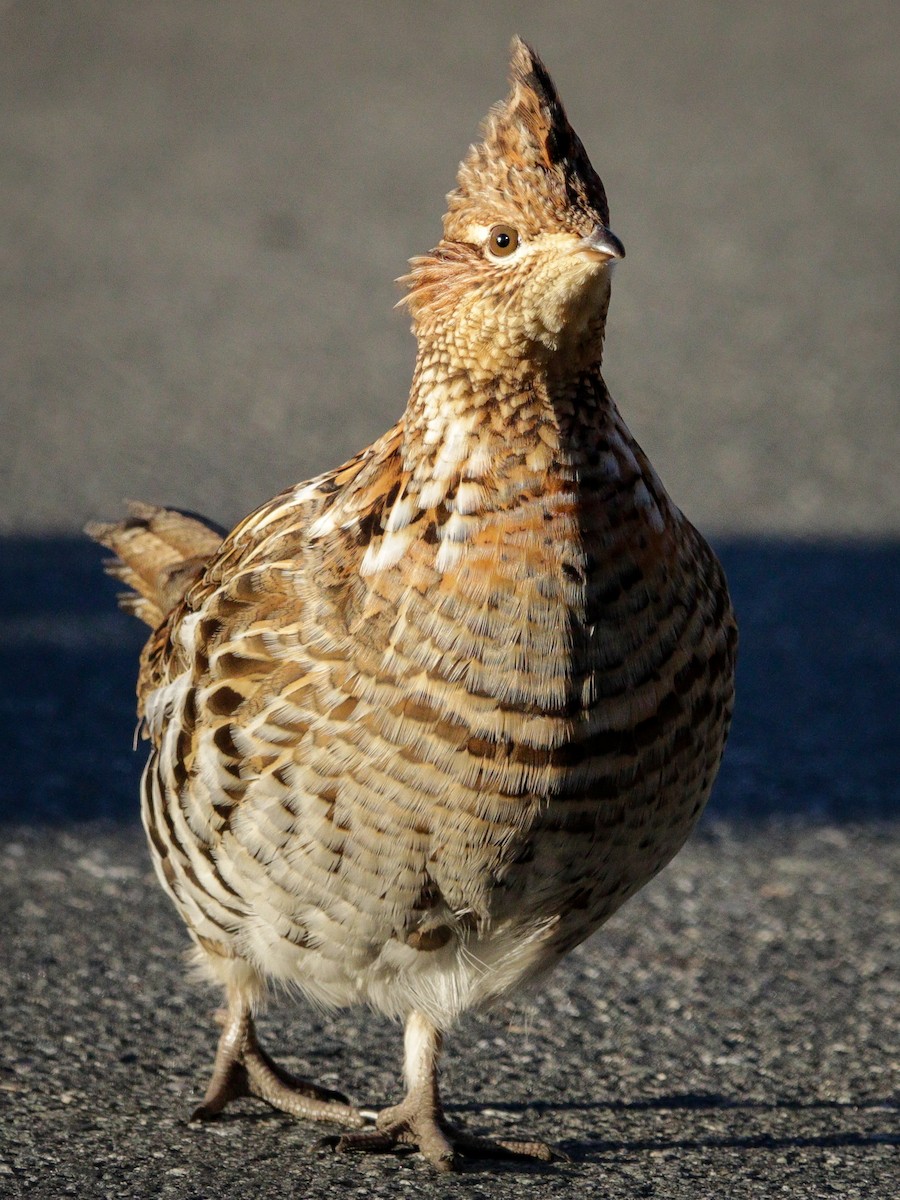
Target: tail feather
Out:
[159,553]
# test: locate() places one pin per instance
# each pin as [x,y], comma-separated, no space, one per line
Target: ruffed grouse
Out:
[420,725]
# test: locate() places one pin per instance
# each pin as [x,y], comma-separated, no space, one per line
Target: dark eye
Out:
[502,241]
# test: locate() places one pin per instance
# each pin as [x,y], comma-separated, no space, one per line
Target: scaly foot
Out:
[243,1068]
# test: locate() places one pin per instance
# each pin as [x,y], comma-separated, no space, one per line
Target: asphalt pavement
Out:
[202,209]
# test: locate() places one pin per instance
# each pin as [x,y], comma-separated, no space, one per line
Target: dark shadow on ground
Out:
[815,1123]
[816,730]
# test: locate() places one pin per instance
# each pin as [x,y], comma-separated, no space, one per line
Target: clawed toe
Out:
[444,1145]
[479,1147]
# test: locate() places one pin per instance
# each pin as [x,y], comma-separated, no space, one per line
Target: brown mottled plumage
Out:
[422,724]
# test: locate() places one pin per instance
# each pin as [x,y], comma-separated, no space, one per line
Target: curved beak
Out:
[602,244]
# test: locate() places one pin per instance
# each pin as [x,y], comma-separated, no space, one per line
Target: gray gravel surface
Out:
[732,1032]
[202,207]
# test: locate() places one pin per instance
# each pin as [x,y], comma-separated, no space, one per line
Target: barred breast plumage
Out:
[422,724]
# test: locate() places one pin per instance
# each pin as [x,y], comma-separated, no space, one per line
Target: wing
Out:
[243,700]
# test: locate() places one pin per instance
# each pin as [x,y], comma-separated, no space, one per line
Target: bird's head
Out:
[522,270]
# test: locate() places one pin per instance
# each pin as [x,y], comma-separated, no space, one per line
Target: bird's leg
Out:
[242,1068]
[419,1121]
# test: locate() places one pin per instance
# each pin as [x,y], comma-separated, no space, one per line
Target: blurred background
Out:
[204,208]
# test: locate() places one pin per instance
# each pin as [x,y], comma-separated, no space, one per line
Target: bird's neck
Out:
[464,425]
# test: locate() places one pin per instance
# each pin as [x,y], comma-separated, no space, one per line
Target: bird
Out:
[420,725]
